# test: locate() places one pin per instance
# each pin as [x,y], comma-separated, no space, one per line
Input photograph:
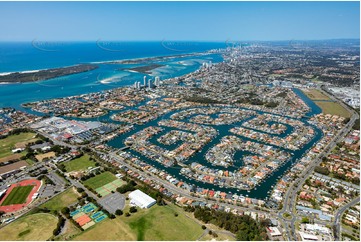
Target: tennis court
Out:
[83,220]
[109,187]
[76,216]
[88,225]
[97,215]
[89,208]
[101,218]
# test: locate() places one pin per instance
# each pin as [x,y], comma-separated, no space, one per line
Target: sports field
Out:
[333,108]
[38,226]
[64,199]
[100,180]
[110,187]
[18,195]
[81,163]
[10,142]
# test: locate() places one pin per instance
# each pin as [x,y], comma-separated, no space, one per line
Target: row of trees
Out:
[245,228]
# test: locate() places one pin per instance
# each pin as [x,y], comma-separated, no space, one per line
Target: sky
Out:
[199,21]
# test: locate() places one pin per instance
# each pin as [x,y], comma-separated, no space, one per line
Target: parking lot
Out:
[112,202]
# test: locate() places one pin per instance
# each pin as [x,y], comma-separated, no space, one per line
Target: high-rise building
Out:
[145,80]
[156,82]
[150,83]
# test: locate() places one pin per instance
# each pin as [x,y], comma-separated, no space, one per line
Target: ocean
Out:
[39,55]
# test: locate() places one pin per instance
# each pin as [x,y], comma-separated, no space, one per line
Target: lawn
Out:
[9,142]
[109,229]
[38,226]
[47,155]
[160,223]
[100,180]
[17,196]
[78,164]
[64,199]
[156,223]
[333,108]
[314,94]
[221,237]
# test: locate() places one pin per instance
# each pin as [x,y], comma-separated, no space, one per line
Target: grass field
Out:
[221,237]
[64,199]
[156,223]
[109,229]
[17,196]
[333,108]
[38,226]
[159,223]
[100,180]
[78,164]
[314,94]
[41,157]
[9,142]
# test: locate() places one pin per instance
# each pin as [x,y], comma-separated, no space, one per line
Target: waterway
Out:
[262,190]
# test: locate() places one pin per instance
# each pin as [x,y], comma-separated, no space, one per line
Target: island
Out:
[42,75]
[143,69]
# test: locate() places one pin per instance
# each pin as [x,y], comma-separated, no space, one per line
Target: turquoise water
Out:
[24,57]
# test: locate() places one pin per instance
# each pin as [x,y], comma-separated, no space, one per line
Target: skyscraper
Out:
[145,80]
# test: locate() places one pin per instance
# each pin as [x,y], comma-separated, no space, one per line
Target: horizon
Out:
[202,41]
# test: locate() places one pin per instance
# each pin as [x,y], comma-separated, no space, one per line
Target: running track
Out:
[17,207]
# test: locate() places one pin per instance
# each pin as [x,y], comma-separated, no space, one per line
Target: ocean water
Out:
[37,55]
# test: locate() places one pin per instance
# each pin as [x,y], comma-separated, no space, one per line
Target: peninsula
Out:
[42,75]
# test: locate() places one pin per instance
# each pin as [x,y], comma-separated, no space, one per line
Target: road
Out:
[338,217]
[291,194]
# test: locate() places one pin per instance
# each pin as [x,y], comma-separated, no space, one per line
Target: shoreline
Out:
[43,75]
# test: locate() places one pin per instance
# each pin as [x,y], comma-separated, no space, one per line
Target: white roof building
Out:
[141,199]
[308,237]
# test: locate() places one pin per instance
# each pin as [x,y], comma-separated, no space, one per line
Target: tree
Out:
[119,212]
[305,220]
[133,209]
[204,227]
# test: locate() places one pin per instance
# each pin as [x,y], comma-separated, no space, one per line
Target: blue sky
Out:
[210,21]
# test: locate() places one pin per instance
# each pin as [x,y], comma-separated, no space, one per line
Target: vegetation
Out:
[244,227]
[38,226]
[314,94]
[127,187]
[8,143]
[78,164]
[18,195]
[333,108]
[100,180]
[322,170]
[62,200]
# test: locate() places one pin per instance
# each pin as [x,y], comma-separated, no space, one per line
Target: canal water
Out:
[262,190]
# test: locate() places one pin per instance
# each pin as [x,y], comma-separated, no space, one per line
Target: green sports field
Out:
[18,195]
[64,199]
[100,180]
[9,142]
[81,163]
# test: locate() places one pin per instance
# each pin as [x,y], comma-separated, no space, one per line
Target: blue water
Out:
[28,56]
[25,56]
